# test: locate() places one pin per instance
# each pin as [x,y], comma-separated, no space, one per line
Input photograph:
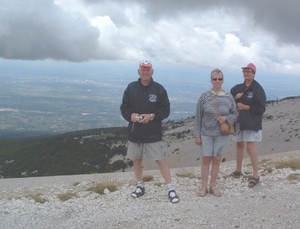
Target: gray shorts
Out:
[153,151]
[247,135]
[211,146]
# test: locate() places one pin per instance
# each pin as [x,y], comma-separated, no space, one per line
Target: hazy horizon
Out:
[90,93]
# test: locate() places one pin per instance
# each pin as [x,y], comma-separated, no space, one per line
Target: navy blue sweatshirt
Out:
[255,97]
[141,99]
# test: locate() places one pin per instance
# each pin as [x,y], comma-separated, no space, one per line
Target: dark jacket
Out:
[145,100]
[255,97]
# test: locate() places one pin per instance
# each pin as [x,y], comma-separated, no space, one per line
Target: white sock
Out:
[140,183]
[170,187]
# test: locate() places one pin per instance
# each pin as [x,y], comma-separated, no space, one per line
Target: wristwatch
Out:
[152,117]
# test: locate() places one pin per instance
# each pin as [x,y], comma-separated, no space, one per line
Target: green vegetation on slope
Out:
[80,152]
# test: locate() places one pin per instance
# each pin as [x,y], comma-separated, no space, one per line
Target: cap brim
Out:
[146,65]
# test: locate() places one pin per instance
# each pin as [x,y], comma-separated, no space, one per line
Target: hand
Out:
[241,106]
[238,95]
[221,119]
[198,141]
[147,118]
[135,117]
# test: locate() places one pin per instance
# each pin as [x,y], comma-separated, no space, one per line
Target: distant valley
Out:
[48,100]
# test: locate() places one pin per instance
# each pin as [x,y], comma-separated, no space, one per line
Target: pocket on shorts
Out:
[258,135]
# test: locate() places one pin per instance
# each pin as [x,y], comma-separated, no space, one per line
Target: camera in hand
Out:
[139,117]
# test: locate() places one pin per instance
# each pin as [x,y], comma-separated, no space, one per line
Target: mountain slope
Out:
[104,150]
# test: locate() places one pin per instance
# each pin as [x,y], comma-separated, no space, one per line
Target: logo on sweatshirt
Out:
[250,95]
[152,98]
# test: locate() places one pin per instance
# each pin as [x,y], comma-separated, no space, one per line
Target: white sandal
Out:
[173,197]
[139,191]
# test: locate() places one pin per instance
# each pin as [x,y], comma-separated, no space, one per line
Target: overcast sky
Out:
[206,33]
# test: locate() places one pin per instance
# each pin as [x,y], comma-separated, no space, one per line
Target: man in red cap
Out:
[250,99]
[144,105]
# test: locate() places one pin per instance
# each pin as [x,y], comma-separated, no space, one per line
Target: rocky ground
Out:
[37,203]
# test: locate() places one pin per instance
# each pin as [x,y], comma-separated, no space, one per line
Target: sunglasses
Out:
[247,71]
[215,79]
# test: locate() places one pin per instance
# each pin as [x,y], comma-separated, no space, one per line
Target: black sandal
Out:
[253,181]
[236,174]
[173,197]
[139,191]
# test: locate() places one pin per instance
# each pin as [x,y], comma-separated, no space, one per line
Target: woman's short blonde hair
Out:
[216,70]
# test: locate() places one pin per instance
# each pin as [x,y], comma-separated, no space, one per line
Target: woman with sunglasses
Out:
[207,131]
[250,99]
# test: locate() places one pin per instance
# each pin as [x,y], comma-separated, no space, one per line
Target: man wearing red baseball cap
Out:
[144,105]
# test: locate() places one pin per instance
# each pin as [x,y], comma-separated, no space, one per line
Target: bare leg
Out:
[166,174]
[205,162]
[165,171]
[216,161]
[239,155]
[138,169]
[251,149]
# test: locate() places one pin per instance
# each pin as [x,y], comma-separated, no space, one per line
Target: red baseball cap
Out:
[145,64]
[250,66]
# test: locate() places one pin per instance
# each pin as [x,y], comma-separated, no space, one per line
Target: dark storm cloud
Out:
[36,29]
[277,17]
[41,29]
[281,18]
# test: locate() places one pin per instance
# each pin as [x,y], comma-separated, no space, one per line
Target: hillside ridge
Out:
[104,150]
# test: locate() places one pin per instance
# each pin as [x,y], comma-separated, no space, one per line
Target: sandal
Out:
[236,174]
[139,191]
[253,181]
[202,192]
[173,197]
[215,191]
